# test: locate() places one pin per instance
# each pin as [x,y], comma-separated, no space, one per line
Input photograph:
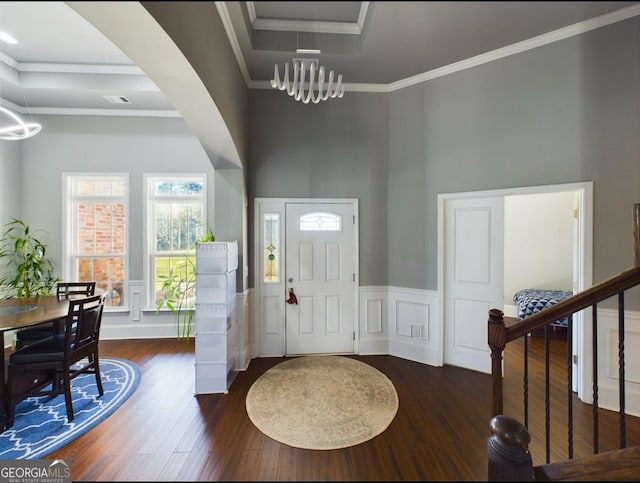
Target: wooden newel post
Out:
[636,235]
[508,451]
[497,334]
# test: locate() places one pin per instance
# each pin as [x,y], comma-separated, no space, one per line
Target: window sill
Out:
[116,310]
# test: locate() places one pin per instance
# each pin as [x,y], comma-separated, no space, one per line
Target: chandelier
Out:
[17,128]
[314,92]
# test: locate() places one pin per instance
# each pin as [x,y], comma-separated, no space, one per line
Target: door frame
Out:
[279,205]
[583,256]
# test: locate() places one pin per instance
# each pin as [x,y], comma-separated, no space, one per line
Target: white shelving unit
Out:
[216,330]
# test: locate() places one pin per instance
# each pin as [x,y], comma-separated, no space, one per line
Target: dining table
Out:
[20,313]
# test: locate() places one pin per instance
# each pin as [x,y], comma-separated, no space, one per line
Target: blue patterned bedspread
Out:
[532,300]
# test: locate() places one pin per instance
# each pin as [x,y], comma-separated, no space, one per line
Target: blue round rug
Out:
[40,424]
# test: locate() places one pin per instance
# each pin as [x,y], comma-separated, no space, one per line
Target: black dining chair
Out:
[46,368]
[30,335]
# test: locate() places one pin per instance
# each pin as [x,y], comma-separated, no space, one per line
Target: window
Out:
[271,247]
[96,227]
[176,218]
[320,222]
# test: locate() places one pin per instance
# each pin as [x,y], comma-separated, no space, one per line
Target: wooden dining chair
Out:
[46,368]
[30,335]
[66,289]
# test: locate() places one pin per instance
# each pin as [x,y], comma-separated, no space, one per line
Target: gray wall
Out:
[187,23]
[561,113]
[85,144]
[10,174]
[230,215]
[334,149]
[412,219]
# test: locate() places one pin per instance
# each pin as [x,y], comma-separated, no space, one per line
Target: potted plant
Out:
[27,270]
[178,291]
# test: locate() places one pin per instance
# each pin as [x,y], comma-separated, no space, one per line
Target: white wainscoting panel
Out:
[414,331]
[372,326]
[243,321]
[135,301]
[135,322]
[152,325]
[392,320]
[608,374]
[269,326]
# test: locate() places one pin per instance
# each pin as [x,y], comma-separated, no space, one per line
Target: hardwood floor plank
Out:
[165,432]
[171,469]
[267,468]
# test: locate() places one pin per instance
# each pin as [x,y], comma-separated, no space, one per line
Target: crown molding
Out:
[78,68]
[532,43]
[233,40]
[12,71]
[57,111]
[353,87]
[55,68]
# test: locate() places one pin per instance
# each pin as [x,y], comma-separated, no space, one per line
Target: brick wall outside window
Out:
[99,234]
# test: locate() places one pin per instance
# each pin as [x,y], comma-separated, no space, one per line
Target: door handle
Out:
[292,297]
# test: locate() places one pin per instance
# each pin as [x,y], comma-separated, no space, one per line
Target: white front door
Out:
[474,278]
[320,269]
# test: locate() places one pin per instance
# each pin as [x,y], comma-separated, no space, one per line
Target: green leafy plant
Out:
[178,291]
[27,270]
[208,236]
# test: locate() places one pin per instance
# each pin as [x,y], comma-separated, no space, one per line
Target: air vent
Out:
[117,99]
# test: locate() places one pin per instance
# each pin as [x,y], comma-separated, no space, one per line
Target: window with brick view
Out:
[97,228]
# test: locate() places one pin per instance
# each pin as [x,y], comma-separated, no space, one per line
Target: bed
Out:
[532,300]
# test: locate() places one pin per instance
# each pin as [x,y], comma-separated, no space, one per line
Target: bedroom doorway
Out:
[465,306]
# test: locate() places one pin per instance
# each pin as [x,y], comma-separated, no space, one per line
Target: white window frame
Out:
[149,211]
[69,251]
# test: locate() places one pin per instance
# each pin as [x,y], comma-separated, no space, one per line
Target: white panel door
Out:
[474,278]
[320,268]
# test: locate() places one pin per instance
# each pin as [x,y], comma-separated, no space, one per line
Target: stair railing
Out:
[502,330]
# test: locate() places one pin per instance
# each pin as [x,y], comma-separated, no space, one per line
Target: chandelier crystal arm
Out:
[319,97]
[292,90]
[275,82]
[324,96]
[312,77]
[339,91]
[300,86]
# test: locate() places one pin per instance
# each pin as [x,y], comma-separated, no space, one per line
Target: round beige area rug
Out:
[322,402]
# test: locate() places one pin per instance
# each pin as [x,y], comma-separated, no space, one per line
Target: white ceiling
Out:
[64,65]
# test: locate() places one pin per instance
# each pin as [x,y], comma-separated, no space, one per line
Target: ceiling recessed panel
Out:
[308,11]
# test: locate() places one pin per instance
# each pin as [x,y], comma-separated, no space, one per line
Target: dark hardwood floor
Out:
[166,433]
